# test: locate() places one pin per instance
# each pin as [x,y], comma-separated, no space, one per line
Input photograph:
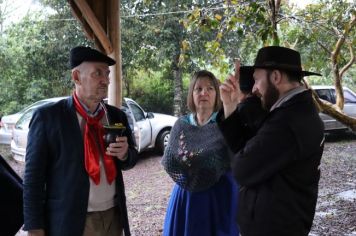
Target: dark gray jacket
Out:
[56,184]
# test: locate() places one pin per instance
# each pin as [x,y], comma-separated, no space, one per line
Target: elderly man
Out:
[73,185]
[278,168]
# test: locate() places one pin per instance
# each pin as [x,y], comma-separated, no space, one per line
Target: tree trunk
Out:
[178,87]
[275,6]
[335,62]
[340,100]
[335,111]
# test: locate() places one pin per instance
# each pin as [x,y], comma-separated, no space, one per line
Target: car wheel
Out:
[162,141]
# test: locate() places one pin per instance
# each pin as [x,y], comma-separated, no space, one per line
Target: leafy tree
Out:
[159,36]
[35,57]
[153,93]
[269,21]
[163,42]
[326,37]
[156,33]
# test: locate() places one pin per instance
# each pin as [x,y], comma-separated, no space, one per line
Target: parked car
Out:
[328,93]
[8,122]
[151,130]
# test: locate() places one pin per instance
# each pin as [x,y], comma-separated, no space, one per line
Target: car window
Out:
[25,119]
[137,112]
[127,111]
[349,97]
[326,94]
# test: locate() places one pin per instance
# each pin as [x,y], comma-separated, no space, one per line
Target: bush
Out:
[153,92]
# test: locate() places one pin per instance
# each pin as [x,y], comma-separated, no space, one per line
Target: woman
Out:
[204,198]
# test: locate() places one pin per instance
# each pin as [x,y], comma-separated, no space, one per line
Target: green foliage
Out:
[307,30]
[35,55]
[153,93]
[159,37]
[315,31]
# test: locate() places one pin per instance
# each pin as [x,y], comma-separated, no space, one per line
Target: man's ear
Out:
[75,76]
[276,77]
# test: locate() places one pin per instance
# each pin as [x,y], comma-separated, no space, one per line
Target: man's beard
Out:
[271,96]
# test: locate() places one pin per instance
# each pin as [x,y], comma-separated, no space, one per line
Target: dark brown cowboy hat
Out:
[275,57]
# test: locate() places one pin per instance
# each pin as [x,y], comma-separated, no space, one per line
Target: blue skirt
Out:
[210,213]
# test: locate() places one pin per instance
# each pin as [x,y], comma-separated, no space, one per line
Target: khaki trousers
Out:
[103,223]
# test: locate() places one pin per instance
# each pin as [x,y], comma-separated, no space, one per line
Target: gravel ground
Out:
[148,188]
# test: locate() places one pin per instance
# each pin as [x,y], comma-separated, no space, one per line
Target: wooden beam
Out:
[77,14]
[115,87]
[99,9]
[95,25]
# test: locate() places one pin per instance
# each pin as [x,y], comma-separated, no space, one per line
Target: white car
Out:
[6,125]
[8,122]
[151,130]
[327,93]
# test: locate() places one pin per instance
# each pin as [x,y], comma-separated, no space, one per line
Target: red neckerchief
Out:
[92,129]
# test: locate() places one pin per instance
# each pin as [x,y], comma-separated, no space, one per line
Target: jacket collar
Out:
[287,96]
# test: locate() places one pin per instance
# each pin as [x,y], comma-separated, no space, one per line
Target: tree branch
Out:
[336,31]
[324,47]
[335,64]
[342,39]
[333,111]
[350,63]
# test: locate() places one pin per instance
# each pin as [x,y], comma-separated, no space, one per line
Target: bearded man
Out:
[278,168]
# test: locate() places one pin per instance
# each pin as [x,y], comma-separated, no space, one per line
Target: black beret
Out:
[246,80]
[80,54]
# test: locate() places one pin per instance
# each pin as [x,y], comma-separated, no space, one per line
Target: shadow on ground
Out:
[338,136]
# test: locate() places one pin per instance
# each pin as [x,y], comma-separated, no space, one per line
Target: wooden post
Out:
[115,87]
[95,25]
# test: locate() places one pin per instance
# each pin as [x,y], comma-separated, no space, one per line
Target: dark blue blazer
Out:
[10,200]
[56,184]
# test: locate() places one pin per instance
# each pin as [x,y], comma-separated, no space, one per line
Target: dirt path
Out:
[336,208]
[148,188]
